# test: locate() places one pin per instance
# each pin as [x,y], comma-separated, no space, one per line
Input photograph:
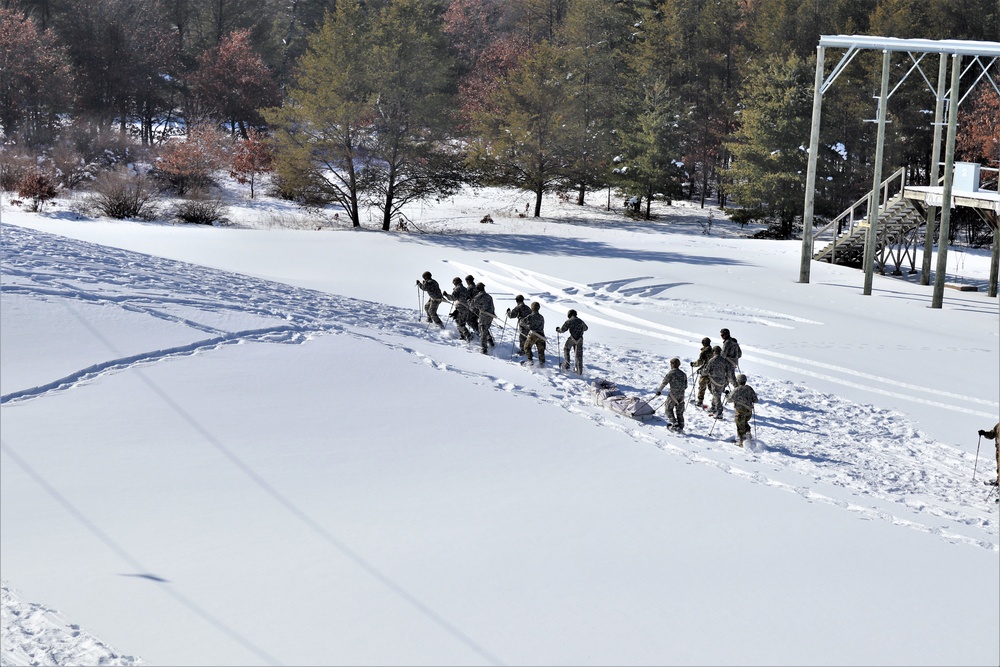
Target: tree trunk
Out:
[538,200]
[582,192]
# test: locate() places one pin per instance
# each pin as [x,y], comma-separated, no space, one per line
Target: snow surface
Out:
[240,445]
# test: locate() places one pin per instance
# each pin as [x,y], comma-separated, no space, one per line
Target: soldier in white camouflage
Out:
[482,303]
[459,299]
[742,398]
[535,324]
[519,312]
[434,298]
[700,363]
[678,382]
[575,327]
[720,373]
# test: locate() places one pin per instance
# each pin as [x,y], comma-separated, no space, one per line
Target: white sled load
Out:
[608,394]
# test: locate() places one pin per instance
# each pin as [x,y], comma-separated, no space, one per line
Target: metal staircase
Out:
[899,223]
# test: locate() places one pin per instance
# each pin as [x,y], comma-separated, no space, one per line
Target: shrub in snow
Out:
[188,165]
[14,164]
[122,194]
[37,186]
[201,210]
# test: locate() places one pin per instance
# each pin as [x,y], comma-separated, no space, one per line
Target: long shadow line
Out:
[120,551]
[306,520]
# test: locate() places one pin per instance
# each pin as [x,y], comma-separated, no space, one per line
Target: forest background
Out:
[385,102]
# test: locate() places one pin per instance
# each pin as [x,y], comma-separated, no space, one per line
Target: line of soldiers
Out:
[472,307]
[717,368]
[531,334]
[473,312]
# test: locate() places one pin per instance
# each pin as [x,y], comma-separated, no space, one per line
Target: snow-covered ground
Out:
[241,445]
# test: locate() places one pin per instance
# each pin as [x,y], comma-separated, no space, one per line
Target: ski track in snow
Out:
[860,458]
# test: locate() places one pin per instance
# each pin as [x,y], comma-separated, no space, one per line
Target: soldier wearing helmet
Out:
[434,298]
[703,357]
[742,398]
[674,405]
[720,374]
[575,327]
[520,311]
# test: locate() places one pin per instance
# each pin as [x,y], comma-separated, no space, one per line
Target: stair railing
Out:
[855,221]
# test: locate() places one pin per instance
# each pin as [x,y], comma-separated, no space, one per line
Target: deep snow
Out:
[242,446]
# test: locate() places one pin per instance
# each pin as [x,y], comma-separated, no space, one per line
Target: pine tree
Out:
[409,77]
[769,157]
[522,140]
[593,39]
[323,127]
[649,165]
[653,132]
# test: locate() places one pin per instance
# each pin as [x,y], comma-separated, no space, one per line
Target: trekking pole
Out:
[977,458]
[420,304]
[713,424]
[559,349]
[753,411]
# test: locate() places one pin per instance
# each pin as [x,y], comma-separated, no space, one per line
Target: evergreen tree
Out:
[657,123]
[649,166]
[409,76]
[593,39]
[322,129]
[521,136]
[767,175]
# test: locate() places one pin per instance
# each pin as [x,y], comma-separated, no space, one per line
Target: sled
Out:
[607,394]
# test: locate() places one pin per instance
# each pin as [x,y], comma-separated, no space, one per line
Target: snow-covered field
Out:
[241,445]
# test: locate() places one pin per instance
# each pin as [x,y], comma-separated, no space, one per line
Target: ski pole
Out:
[753,411]
[977,458]
[713,424]
[503,329]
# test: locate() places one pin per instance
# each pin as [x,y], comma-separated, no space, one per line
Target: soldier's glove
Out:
[508,312]
[983,433]
[657,393]
[726,392]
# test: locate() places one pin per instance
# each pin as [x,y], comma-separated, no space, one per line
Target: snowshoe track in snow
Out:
[866,460]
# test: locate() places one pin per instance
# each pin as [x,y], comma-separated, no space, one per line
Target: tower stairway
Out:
[899,223]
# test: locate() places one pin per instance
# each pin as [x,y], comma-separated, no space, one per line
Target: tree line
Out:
[383,102]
